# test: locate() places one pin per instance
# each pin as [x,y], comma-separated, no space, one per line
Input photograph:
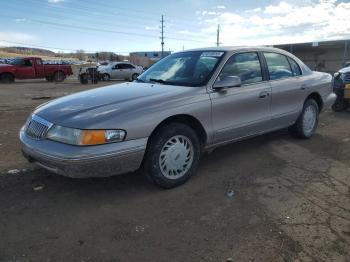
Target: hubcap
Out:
[309,119]
[176,157]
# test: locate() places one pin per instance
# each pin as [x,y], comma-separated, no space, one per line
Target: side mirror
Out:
[227,81]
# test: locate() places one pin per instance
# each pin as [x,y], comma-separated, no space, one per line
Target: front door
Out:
[119,72]
[245,110]
[25,70]
[39,68]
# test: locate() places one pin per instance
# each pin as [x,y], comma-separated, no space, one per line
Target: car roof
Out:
[236,48]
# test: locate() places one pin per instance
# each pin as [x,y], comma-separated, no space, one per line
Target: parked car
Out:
[341,86]
[33,67]
[185,104]
[120,70]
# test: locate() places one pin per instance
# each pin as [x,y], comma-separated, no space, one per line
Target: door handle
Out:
[264,94]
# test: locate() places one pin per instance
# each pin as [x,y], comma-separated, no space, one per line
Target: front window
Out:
[245,65]
[186,69]
[16,61]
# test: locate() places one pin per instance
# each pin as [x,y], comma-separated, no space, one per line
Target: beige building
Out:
[148,58]
[326,56]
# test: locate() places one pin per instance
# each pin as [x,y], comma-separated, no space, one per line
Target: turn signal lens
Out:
[92,137]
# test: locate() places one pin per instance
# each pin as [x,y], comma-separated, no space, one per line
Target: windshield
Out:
[187,68]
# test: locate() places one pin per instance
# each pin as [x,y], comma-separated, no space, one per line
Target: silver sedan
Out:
[185,104]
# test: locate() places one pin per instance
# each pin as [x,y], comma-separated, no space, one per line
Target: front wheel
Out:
[305,126]
[172,155]
[134,76]
[106,77]
[7,78]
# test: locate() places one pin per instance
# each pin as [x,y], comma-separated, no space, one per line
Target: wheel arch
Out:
[188,120]
[8,73]
[317,97]
[57,71]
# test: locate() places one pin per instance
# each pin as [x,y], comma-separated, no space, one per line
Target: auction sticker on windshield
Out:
[212,54]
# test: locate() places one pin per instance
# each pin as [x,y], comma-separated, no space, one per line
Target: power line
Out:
[56,48]
[101,29]
[194,37]
[88,7]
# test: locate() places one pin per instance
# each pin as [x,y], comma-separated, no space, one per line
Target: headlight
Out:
[84,137]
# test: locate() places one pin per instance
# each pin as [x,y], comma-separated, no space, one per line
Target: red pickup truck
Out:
[33,67]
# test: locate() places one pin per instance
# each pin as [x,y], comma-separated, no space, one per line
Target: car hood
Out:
[344,70]
[95,108]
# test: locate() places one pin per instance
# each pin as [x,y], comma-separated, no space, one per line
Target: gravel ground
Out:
[291,200]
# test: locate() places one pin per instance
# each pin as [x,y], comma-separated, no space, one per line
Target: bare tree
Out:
[80,54]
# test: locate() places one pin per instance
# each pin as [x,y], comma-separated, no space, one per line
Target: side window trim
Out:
[238,53]
[300,71]
[264,68]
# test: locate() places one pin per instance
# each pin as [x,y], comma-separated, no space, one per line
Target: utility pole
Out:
[218,36]
[162,34]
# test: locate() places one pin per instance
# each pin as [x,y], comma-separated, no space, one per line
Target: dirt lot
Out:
[291,202]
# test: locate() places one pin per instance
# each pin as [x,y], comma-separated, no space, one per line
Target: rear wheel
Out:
[340,105]
[7,78]
[307,122]
[59,76]
[172,155]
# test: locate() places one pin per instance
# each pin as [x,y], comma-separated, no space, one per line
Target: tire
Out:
[7,78]
[59,76]
[134,76]
[340,105]
[106,77]
[306,124]
[174,145]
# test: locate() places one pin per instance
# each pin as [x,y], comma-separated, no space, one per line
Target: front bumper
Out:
[329,100]
[343,91]
[84,161]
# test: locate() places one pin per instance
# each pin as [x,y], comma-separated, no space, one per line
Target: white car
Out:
[120,70]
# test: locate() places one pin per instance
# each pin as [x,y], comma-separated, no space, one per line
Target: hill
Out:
[27,51]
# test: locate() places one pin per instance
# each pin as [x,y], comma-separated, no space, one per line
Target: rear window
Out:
[278,66]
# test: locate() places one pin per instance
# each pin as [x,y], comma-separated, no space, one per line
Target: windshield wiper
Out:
[140,80]
[161,81]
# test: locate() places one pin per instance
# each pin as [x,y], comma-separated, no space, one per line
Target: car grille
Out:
[347,78]
[37,127]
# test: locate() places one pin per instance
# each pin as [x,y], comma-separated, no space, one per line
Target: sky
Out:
[134,25]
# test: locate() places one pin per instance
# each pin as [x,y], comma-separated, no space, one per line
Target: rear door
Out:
[26,69]
[288,88]
[245,110]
